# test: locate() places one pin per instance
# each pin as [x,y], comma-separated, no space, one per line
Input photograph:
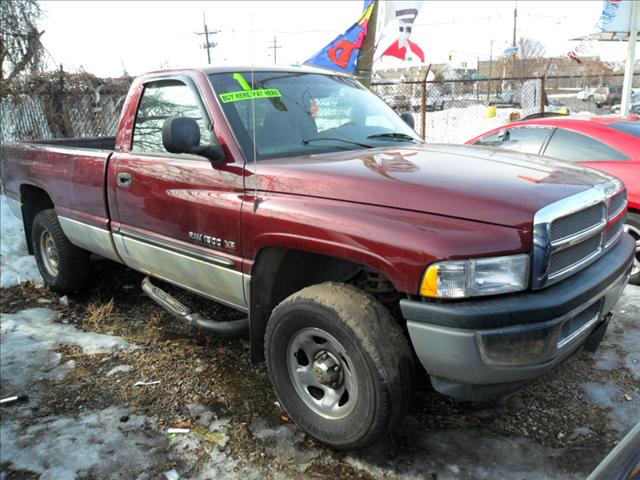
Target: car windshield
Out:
[632,128]
[299,113]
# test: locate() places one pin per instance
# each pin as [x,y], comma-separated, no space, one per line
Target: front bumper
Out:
[454,340]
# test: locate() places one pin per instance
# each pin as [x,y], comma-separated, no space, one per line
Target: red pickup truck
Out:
[299,197]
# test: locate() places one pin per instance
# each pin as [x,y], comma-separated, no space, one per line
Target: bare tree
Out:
[20,48]
[530,57]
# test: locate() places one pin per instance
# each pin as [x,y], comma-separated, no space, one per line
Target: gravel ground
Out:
[86,419]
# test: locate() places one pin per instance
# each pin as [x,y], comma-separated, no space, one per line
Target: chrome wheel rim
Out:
[322,373]
[635,233]
[49,252]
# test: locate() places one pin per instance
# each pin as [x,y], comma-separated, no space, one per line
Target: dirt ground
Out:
[78,359]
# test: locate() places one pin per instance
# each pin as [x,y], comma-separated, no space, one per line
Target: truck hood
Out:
[475,183]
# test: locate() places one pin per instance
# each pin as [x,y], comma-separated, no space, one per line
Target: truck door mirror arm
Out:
[182,135]
[215,153]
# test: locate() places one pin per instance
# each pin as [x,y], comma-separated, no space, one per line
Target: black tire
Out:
[633,227]
[73,264]
[379,358]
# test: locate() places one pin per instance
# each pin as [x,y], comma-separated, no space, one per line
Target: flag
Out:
[397,27]
[613,12]
[342,53]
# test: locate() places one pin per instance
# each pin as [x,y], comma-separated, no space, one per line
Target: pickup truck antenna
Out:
[253,124]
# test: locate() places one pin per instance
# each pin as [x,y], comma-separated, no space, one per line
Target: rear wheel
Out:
[632,226]
[340,365]
[64,267]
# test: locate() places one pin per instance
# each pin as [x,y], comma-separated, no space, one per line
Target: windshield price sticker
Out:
[249,94]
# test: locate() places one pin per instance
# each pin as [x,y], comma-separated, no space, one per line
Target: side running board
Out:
[184,313]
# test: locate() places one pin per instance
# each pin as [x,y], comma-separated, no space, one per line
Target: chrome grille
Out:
[570,234]
[576,222]
[614,231]
[571,256]
[617,204]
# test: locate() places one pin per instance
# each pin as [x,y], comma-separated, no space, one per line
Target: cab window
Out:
[161,100]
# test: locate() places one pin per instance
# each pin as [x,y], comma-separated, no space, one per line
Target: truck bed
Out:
[71,171]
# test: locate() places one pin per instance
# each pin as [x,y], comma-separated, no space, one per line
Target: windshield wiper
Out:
[394,135]
[307,141]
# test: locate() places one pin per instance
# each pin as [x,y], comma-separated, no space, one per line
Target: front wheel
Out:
[632,226]
[64,267]
[340,365]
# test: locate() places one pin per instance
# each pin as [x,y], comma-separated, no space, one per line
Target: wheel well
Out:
[280,272]
[34,200]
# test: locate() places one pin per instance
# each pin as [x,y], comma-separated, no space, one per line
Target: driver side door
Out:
[178,215]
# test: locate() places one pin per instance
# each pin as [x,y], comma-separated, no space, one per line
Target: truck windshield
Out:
[299,113]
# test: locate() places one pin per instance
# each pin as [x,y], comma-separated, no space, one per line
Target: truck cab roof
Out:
[209,70]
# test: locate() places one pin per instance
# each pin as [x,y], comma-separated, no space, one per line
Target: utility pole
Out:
[208,45]
[364,65]
[513,44]
[275,47]
[490,67]
[634,20]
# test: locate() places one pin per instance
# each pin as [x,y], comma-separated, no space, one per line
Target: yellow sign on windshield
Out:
[249,94]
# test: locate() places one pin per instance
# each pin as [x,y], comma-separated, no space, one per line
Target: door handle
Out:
[125,179]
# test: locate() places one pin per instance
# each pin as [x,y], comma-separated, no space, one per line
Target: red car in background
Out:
[610,144]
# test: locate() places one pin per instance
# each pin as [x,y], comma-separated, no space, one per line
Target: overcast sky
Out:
[104,38]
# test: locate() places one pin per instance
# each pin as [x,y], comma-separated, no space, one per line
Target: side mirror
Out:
[408,119]
[182,135]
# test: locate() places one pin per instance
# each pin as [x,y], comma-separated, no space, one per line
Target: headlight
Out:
[476,277]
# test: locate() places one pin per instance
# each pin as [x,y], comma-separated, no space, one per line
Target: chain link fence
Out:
[61,105]
[455,111]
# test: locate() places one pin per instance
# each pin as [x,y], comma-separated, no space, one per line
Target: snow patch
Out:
[446,455]
[29,338]
[219,464]
[39,325]
[16,265]
[583,431]
[623,413]
[460,124]
[284,442]
[624,332]
[120,369]
[95,444]
[607,360]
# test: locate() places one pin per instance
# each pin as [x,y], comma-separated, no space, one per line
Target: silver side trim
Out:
[219,283]
[93,239]
[15,206]
[224,262]
[247,289]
